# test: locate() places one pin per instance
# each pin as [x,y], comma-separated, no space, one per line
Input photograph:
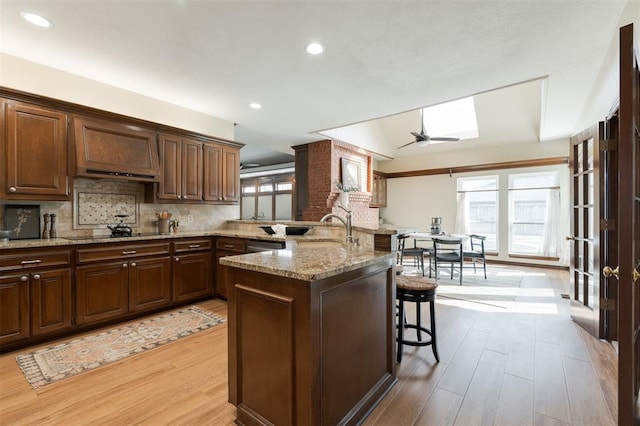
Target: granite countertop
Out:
[308,262]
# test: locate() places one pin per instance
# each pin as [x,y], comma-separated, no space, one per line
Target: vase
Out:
[343,199]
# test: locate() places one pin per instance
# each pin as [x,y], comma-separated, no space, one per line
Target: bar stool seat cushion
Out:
[410,282]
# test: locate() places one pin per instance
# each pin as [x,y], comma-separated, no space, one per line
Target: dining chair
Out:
[476,253]
[447,251]
[416,253]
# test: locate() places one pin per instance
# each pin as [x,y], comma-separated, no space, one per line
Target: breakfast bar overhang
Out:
[311,334]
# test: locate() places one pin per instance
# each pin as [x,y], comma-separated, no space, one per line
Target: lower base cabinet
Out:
[14,315]
[50,301]
[192,276]
[102,292]
[149,284]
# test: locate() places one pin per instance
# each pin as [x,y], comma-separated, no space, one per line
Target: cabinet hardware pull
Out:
[177,259]
[194,245]
[178,197]
[13,189]
[229,246]
[184,197]
[124,265]
[129,252]
[30,262]
[36,277]
[24,278]
[133,264]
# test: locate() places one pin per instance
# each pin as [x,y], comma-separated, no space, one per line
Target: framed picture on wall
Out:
[22,220]
[350,174]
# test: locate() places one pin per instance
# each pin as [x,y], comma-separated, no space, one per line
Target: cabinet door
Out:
[212,173]
[36,149]
[14,308]
[50,301]
[230,175]
[382,192]
[169,187]
[191,170]
[102,291]
[149,283]
[191,276]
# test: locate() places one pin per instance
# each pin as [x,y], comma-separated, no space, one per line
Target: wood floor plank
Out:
[515,406]
[441,408]
[463,365]
[585,396]
[521,360]
[481,400]
[550,388]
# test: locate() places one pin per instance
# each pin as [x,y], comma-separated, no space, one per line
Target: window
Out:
[267,198]
[477,211]
[534,214]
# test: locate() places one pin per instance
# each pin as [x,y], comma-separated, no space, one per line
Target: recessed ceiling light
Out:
[255,105]
[314,48]
[35,19]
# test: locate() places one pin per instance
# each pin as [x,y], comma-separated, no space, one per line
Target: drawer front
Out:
[231,244]
[11,261]
[191,245]
[119,252]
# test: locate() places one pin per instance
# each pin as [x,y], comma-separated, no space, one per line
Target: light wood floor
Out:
[526,364]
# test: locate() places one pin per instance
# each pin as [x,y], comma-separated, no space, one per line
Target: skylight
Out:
[452,119]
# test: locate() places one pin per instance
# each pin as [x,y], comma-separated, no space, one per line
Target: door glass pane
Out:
[579,158]
[591,292]
[580,288]
[590,154]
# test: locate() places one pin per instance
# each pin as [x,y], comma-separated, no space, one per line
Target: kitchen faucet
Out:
[346,223]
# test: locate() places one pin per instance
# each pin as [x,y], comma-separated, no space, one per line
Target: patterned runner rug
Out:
[48,365]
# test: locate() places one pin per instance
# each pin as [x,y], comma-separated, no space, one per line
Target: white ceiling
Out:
[381,58]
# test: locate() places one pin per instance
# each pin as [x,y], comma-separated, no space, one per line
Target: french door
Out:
[627,268]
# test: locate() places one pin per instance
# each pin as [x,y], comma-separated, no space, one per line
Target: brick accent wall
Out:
[325,169]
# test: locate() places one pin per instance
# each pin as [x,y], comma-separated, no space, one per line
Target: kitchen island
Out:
[311,333]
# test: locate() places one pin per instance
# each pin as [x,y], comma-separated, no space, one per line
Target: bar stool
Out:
[416,289]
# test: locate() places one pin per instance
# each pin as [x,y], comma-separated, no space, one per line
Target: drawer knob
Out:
[178,197]
[24,278]
[177,259]
[124,265]
[133,264]
[13,189]
[36,276]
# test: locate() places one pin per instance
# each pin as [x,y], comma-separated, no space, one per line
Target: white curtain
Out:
[462,214]
[551,242]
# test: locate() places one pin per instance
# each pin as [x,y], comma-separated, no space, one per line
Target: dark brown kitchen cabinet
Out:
[35,146]
[50,301]
[117,279]
[115,150]
[226,247]
[222,174]
[149,283]
[181,164]
[14,308]
[192,269]
[35,293]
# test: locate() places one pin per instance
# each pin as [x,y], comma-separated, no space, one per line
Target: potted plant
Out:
[343,198]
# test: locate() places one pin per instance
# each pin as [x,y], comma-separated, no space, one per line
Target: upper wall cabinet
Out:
[181,163]
[114,150]
[378,190]
[35,149]
[222,174]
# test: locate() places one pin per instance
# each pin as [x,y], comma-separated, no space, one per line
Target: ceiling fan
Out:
[423,139]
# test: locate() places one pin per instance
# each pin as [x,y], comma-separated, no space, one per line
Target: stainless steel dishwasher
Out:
[254,246]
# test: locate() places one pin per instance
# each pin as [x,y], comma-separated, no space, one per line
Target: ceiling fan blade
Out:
[406,144]
[417,135]
[445,139]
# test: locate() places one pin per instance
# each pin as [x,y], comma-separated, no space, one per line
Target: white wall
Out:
[34,78]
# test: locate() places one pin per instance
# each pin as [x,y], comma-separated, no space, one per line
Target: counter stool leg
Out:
[400,331]
[418,322]
[432,311]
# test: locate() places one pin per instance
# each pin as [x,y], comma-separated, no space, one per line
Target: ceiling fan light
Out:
[423,143]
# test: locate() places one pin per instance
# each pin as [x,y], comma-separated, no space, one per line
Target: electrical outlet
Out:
[189,218]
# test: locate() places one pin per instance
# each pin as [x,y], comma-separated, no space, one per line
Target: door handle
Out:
[569,238]
[608,272]
[635,275]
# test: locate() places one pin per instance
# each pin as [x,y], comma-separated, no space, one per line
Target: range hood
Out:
[107,149]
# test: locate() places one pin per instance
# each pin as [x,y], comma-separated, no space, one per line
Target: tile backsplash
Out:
[96,202]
